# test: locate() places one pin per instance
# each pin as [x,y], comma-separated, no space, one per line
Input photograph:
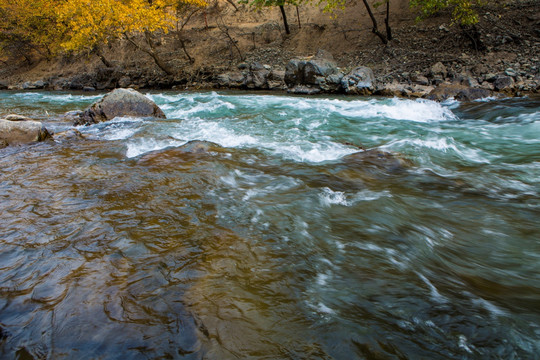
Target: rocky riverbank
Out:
[432,59]
[320,74]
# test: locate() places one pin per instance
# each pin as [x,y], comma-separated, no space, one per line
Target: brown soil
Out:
[508,35]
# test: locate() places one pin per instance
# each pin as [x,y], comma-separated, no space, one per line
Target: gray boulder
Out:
[276,80]
[503,83]
[313,75]
[29,85]
[21,132]
[257,77]
[458,92]
[120,102]
[360,81]
[234,79]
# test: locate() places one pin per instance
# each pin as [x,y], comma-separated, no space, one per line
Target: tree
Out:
[94,23]
[87,25]
[29,25]
[332,5]
[463,12]
[279,3]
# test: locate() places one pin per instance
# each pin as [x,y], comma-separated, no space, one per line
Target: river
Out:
[274,242]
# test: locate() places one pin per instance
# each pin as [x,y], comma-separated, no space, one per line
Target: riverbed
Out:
[273,238]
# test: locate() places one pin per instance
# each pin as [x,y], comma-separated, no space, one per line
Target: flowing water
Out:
[270,240]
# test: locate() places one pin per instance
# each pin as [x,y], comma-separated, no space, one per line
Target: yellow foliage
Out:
[30,21]
[76,25]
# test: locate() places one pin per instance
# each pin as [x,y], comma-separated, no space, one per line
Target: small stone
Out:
[510,72]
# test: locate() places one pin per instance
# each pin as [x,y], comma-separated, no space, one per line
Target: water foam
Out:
[140,146]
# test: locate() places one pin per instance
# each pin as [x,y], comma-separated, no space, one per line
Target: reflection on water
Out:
[270,240]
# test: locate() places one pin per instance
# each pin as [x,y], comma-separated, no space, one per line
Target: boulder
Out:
[120,102]
[360,81]
[458,92]
[276,80]
[438,70]
[29,85]
[234,79]
[257,77]
[313,75]
[3,85]
[503,83]
[21,132]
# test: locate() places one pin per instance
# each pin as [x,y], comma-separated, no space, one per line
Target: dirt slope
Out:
[222,37]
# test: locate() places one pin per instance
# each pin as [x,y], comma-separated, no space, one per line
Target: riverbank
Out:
[500,55]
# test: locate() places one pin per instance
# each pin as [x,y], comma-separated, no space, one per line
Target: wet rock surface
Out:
[21,130]
[120,102]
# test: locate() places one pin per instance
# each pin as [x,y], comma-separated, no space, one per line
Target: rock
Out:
[360,81]
[503,83]
[120,102]
[199,147]
[421,90]
[16,117]
[458,92]
[313,75]
[419,79]
[276,80]
[305,90]
[437,80]
[378,159]
[3,85]
[22,132]
[73,115]
[233,79]
[510,72]
[438,69]
[469,82]
[191,150]
[124,82]
[394,89]
[490,77]
[89,88]
[40,84]
[69,135]
[479,69]
[257,77]
[223,80]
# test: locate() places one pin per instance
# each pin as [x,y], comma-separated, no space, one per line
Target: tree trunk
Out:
[101,57]
[152,53]
[233,4]
[387,21]
[183,44]
[298,17]
[375,28]
[284,16]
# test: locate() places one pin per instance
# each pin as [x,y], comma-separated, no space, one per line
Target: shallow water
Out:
[274,243]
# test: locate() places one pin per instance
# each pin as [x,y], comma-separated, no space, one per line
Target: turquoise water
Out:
[276,242]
